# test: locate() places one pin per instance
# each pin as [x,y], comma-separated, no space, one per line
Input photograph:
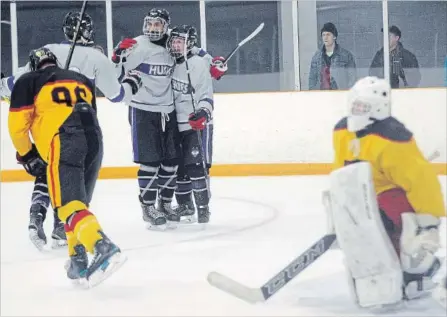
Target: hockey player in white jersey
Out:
[91,62]
[152,118]
[386,202]
[194,106]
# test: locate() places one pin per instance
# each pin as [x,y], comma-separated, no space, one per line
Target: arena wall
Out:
[278,133]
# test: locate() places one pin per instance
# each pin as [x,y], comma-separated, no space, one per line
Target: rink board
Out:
[217,170]
[264,134]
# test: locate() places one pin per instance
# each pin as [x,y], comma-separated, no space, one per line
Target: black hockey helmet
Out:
[156,24]
[85,29]
[40,56]
[178,37]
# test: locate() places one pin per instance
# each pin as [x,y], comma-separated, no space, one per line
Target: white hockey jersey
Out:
[155,66]
[202,89]
[88,61]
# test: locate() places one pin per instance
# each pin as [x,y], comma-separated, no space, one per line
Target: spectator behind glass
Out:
[403,64]
[332,67]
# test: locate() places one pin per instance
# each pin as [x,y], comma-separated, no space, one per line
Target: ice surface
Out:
[258,225]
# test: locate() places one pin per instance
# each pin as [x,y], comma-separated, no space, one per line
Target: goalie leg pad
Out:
[369,255]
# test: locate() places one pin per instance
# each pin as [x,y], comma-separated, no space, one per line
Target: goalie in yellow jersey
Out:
[385,202]
[58,108]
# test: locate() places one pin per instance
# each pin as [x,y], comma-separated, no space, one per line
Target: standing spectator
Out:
[332,67]
[403,63]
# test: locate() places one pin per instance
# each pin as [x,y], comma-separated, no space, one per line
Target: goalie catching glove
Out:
[198,119]
[419,242]
[32,162]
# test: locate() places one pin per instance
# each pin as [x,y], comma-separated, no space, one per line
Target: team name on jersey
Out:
[180,86]
[156,70]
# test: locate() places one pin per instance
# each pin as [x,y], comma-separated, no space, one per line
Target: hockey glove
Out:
[133,78]
[198,119]
[32,162]
[218,67]
[122,50]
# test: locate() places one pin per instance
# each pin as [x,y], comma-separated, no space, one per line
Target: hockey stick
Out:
[433,156]
[261,294]
[78,26]
[248,38]
[199,135]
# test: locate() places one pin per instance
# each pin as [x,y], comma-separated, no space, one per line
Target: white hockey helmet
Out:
[369,100]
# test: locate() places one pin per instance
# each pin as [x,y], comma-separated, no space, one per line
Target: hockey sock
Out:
[167,178]
[148,182]
[184,190]
[85,228]
[199,185]
[71,240]
[40,194]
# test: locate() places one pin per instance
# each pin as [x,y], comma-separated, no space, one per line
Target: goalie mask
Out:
[40,56]
[85,35]
[181,40]
[156,24]
[369,100]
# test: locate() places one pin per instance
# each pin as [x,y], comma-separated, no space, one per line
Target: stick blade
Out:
[253,34]
[232,287]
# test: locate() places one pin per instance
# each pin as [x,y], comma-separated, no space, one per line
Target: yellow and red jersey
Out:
[40,103]
[396,161]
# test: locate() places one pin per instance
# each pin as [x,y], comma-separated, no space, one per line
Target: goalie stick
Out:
[70,52]
[261,294]
[241,43]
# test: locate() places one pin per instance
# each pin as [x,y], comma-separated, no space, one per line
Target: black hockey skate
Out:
[186,212]
[76,266]
[203,214]
[166,208]
[420,285]
[107,260]
[153,217]
[35,227]
[58,235]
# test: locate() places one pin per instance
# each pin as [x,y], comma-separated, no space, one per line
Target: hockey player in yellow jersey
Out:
[58,108]
[386,201]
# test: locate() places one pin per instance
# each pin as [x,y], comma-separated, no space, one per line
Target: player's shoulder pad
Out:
[201,52]
[26,78]
[141,39]
[97,54]
[84,79]
[198,61]
[64,74]
[342,124]
[391,129]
